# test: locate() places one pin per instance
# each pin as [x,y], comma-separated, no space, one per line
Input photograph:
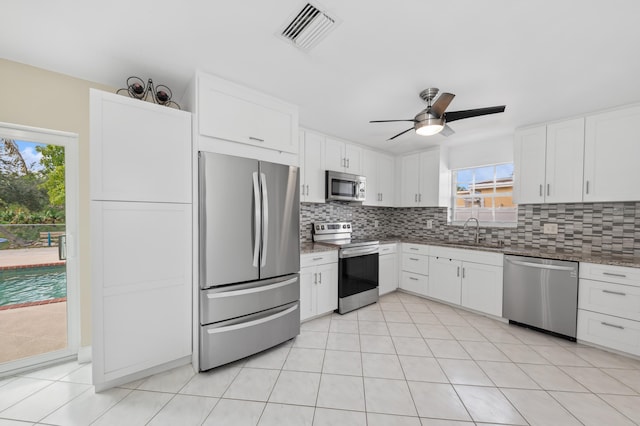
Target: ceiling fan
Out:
[433,119]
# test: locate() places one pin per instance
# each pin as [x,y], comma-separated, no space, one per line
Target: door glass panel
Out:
[33,276]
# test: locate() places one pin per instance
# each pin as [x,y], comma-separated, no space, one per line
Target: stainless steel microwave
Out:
[345,187]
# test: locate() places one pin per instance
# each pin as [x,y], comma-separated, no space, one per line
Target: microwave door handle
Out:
[265,218]
[257,220]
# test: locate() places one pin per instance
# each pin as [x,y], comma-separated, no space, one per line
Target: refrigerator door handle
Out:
[265,218]
[257,219]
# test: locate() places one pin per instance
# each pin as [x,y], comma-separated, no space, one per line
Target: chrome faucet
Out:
[477,238]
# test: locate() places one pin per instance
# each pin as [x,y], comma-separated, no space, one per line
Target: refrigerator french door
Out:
[249,256]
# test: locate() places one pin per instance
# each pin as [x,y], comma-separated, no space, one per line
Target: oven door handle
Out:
[357,251]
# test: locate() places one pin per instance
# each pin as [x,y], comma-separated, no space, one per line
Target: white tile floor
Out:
[403,361]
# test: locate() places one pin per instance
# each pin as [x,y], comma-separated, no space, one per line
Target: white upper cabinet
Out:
[565,153]
[343,157]
[312,166]
[549,163]
[425,180]
[529,162]
[236,113]
[378,168]
[139,151]
[612,150]
[410,185]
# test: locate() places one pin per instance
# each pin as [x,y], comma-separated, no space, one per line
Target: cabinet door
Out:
[612,149]
[334,155]
[410,180]
[388,273]
[370,171]
[141,287]
[564,165]
[444,279]
[482,288]
[327,288]
[232,112]
[314,168]
[386,181]
[529,153]
[353,154]
[139,151]
[307,293]
[428,195]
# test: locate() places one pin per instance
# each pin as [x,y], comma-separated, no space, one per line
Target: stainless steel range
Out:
[357,265]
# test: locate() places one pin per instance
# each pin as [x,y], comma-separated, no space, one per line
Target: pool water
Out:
[32,284]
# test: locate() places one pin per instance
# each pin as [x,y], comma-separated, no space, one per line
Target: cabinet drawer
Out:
[610,273]
[415,263]
[415,249]
[612,332]
[387,249]
[226,302]
[608,298]
[219,342]
[320,258]
[414,282]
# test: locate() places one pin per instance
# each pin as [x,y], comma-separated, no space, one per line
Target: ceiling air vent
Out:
[308,27]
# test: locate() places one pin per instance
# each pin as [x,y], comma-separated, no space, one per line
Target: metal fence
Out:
[13,236]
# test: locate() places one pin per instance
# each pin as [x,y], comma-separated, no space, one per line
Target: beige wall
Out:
[36,97]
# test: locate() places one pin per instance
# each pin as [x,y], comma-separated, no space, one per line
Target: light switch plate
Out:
[430,224]
[550,228]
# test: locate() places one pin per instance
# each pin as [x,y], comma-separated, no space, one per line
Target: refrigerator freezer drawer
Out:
[233,340]
[223,303]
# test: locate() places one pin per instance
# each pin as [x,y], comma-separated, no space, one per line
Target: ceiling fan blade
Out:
[392,121]
[446,131]
[441,104]
[459,115]
[400,134]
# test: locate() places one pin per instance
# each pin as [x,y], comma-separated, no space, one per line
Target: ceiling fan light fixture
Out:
[429,126]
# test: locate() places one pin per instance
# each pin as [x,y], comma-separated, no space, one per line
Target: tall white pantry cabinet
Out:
[141,238]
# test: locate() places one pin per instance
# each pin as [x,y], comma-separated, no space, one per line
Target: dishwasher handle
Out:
[540,265]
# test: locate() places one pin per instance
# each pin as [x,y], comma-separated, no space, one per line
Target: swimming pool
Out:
[32,284]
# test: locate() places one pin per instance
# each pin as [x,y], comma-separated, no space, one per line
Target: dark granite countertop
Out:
[606,259]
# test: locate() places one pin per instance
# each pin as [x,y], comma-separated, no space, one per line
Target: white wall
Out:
[481,153]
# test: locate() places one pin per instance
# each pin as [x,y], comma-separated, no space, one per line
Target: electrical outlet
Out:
[430,224]
[550,228]
[375,223]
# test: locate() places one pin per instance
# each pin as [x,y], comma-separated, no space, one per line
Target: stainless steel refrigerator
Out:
[249,256]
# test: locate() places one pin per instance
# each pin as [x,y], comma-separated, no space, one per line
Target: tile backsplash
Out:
[590,228]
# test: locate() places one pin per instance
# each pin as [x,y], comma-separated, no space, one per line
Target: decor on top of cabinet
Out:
[161,94]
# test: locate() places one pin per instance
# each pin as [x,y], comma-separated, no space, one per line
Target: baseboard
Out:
[84,355]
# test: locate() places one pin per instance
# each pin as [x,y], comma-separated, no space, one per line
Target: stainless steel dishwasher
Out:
[542,293]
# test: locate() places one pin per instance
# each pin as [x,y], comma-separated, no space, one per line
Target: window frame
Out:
[454,197]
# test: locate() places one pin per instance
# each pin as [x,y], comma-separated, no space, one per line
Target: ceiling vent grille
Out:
[308,27]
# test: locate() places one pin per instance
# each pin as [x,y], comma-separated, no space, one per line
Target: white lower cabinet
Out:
[415,268]
[609,331]
[444,279]
[387,269]
[318,284]
[482,288]
[609,307]
[470,278]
